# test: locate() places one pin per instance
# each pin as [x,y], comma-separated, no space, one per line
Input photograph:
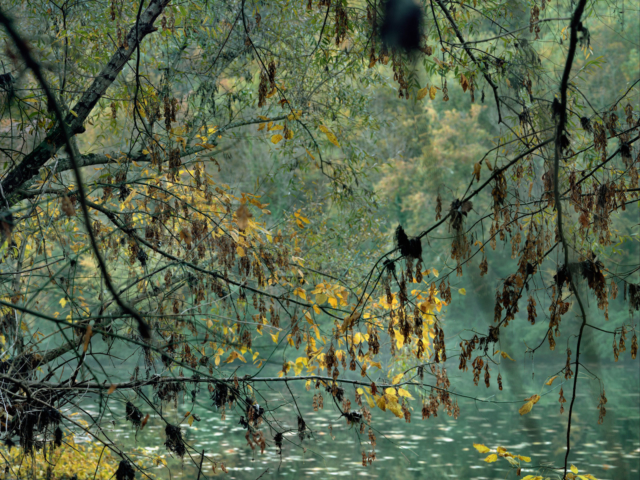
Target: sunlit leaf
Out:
[330,136]
[526,408]
[404,393]
[481,448]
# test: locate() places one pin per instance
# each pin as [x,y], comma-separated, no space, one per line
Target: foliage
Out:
[150,256]
[72,460]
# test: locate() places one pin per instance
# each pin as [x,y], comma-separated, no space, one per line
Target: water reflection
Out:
[438,448]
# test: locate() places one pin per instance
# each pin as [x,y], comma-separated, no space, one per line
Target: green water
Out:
[437,448]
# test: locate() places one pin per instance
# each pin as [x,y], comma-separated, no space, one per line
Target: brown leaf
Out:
[185,235]
[112,389]
[87,338]
[476,171]
[242,217]
[464,82]
[144,421]
[67,207]
[488,164]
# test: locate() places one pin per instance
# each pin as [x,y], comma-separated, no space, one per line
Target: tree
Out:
[117,221]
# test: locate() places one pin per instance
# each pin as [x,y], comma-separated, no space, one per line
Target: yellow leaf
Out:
[390,391]
[550,381]
[397,379]
[574,469]
[316,309]
[276,138]
[63,302]
[73,113]
[404,393]
[435,272]
[240,251]
[476,171]
[462,291]
[233,355]
[506,355]
[432,93]
[330,136]
[370,401]
[533,398]
[524,459]
[112,389]
[526,408]
[380,402]
[399,339]
[423,92]
[358,338]
[333,302]
[321,298]
[502,451]
[360,391]
[274,337]
[309,153]
[300,293]
[396,409]
[481,448]
[190,420]
[350,320]
[491,458]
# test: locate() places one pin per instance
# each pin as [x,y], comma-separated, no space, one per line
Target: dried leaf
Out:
[464,83]
[144,421]
[87,338]
[550,381]
[67,207]
[242,217]
[526,408]
[330,136]
[476,171]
